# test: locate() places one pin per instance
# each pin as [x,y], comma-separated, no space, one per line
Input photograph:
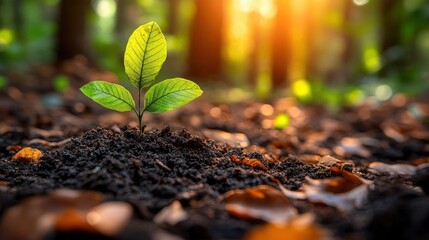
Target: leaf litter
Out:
[125,167]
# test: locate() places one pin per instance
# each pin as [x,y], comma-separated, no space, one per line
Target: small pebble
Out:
[28,155]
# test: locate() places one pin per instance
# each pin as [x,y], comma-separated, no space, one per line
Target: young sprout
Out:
[145,54]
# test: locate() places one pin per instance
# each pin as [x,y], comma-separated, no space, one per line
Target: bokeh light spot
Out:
[6,36]
[281,121]
[360,2]
[383,92]
[301,89]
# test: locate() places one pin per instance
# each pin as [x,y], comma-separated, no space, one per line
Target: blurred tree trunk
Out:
[173,10]
[253,67]
[206,34]
[72,38]
[344,70]
[281,44]
[121,18]
[18,20]
[390,20]
[2,14]
[312,28]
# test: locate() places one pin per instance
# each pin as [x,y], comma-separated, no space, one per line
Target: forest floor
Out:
[213,171]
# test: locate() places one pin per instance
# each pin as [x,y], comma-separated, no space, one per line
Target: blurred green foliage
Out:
[61,83]
[345,62]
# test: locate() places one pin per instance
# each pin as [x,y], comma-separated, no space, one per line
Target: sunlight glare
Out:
[383,92]
[360,2]
[105,8]
[268,9]
[265,8]
[301,89]
[371,59]
[6,36]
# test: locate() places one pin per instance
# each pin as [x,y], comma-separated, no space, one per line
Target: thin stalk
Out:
[140,115]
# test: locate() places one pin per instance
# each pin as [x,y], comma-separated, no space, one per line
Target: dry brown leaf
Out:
[13,148]
[252,162]
[72,219]
[64,210]
[402,169]
[301,228]
[232,139]
[352,146]
[345,192]
[310,158]
[328,161]
[171,214]
[34,216]
[271,159]
[28,155]
[109,218]
[261,202]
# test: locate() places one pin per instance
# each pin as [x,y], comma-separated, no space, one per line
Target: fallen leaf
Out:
[310,158]
[401,169]
[328,161]
[64,210]
[28,155]
[344,192]
[70,220]
[232,139]
[259,203]
[13,148]
[352,146]
[35,216]
[252,162]
[109,218]
[300,228]
[271,159]
[171,214]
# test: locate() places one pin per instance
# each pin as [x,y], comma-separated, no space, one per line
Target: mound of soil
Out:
[152,170]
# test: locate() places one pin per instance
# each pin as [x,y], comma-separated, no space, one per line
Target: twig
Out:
[163,165]
[47,143]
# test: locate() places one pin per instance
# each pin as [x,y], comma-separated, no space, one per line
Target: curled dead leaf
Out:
[300,228]
[252,162]
[232,139]
[310,158]
[344,192]
[271,159]
[109,218]
[402,169]
[259,203]
[328,161]
[352,146]
[35,216]
[28,155]
[13,148]
[64,210]
[171,214]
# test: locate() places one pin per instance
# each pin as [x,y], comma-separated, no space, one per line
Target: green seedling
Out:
[145,54]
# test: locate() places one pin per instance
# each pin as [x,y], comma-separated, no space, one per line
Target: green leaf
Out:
[145,53]
[109,95]
[170,94]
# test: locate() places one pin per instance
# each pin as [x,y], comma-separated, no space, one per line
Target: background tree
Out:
[281,43]
[72,37]
[206,34]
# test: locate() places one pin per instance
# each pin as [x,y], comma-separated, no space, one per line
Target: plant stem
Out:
[140,113]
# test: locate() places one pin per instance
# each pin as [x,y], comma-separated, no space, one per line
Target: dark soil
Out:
[152,170]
